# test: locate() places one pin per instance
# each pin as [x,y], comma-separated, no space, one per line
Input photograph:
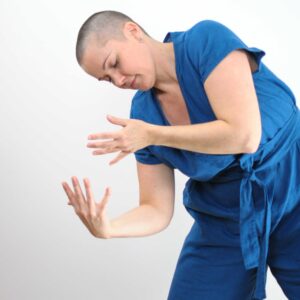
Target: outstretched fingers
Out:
[80,198]
[90,197]
[102,204]
[120,156]
[69,193]
[104,135]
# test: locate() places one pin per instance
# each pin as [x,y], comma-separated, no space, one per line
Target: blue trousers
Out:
[210,264]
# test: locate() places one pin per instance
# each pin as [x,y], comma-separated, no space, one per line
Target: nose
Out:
[119,80]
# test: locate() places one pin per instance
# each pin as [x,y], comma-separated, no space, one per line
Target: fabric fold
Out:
[254,247]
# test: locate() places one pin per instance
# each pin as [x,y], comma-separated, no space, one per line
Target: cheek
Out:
[138,62]
[143,62]
[145,67]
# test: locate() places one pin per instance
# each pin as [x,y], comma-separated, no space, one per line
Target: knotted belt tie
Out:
[254,251]
[255,248]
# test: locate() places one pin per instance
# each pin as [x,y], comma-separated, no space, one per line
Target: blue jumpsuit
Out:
[246,206]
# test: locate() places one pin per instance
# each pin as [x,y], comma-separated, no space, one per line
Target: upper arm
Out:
[223,63]
[157,188]
[232,96]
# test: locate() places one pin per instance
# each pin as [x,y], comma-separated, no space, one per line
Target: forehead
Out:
[94,57]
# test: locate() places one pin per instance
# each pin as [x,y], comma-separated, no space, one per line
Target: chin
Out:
[143,86]
[149,85]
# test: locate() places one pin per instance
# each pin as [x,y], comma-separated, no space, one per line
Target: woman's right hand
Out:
[92,214]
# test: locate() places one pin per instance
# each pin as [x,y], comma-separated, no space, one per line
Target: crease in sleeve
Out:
[145,156]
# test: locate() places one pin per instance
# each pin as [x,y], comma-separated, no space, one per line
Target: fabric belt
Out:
[254,247]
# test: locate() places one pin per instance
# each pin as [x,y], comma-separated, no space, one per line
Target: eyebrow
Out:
[103,66]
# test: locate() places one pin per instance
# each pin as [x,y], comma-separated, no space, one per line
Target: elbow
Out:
[167,221]
[166,225]
[251,149]
[252,143]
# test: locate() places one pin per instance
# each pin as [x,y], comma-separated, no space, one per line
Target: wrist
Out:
[153,134]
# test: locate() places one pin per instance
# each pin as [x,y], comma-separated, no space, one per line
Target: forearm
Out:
[215,137]
[140,221]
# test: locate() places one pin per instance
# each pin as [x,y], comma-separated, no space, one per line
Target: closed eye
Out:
[114,66]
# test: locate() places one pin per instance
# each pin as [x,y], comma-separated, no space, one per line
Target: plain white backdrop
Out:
[48,106]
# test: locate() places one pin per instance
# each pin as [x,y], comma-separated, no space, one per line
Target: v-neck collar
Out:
[176,38]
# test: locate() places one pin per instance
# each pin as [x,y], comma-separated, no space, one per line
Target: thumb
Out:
[116,120]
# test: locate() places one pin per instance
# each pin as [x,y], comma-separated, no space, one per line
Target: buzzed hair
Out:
[104,26]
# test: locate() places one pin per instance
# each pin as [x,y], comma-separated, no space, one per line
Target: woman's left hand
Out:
[134,135]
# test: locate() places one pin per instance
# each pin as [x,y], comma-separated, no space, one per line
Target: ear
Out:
[132,30]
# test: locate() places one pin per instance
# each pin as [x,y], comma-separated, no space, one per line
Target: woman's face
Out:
[127,64]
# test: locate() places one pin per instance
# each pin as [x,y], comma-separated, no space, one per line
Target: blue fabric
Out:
[198,51]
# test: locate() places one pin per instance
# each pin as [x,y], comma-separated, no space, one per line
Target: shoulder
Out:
[207,43]
[205,38]
[205,27]
[206,33]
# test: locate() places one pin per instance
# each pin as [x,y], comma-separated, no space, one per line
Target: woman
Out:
[209,107]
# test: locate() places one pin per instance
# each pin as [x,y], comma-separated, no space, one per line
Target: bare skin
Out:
[151,64]
[92,214]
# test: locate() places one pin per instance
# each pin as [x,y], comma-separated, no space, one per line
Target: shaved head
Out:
[101,27]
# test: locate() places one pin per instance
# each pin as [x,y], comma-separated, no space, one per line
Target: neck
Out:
[164,60]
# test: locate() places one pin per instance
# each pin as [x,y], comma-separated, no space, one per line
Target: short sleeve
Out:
[143,155]
[209,42]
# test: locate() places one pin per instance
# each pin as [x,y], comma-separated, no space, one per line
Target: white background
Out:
[48,106]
